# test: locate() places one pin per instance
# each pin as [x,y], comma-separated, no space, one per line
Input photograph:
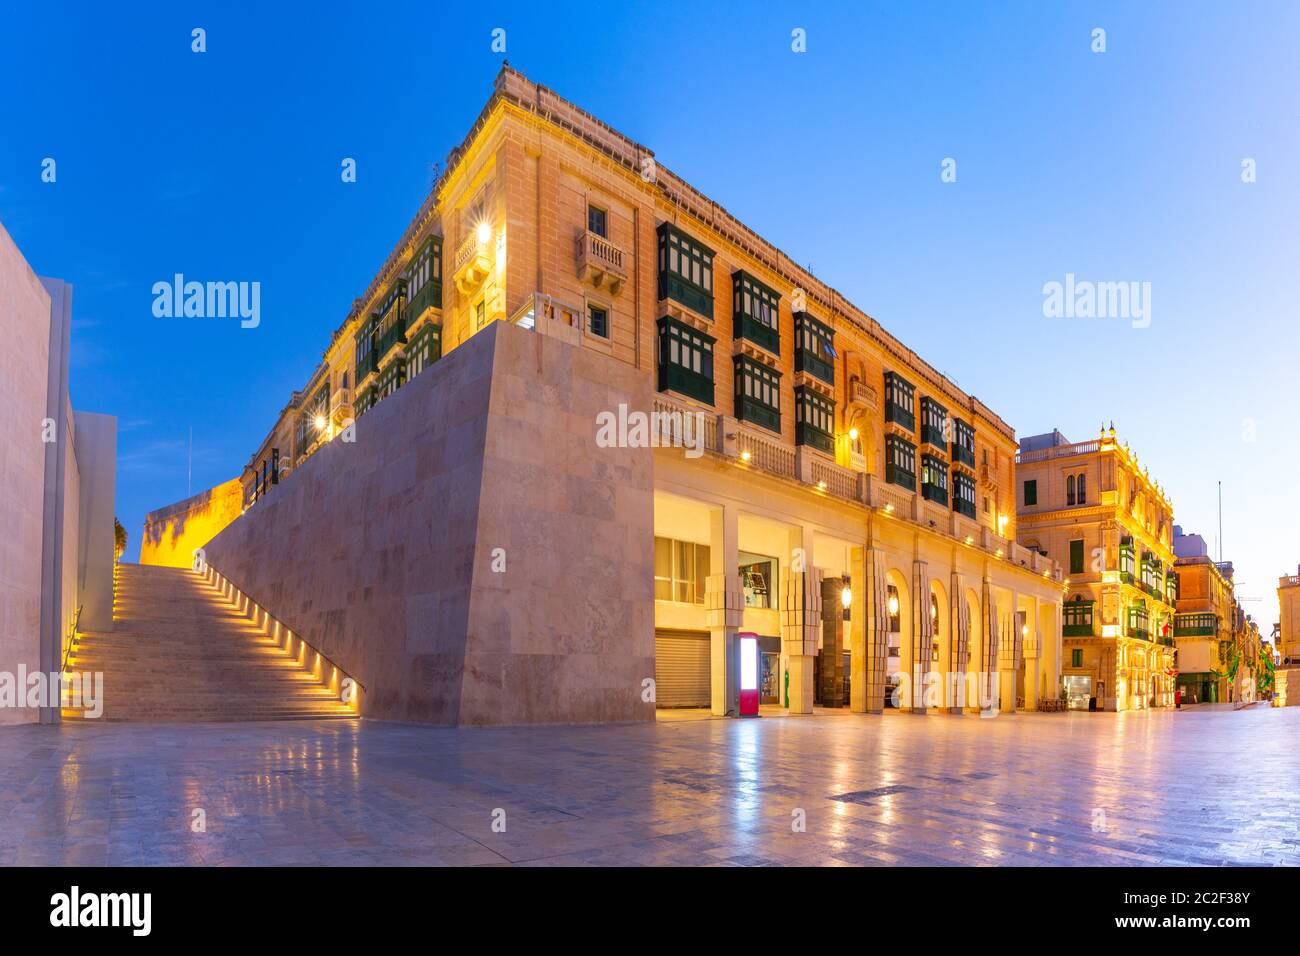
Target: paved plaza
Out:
[1197,787]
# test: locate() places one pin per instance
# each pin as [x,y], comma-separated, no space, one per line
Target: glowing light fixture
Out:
[483,233]
[320,422]
[745,455]
[846,596]
[821,486]
[853,434]
[893,604]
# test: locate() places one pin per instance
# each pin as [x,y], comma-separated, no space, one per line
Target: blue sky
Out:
[1115,166]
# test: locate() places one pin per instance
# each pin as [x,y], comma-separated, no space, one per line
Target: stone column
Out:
[922,634]
[991,683]
[1032,648]
[1009,656]
[870,630]
[801,621]
[959,658]
[725,608]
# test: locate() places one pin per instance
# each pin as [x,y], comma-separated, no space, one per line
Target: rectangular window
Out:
[598,321]
[367,361]
[900,462]
[758,393]
[963,443]
[900,401]
[934,479]
[814,347]
[1031,492]
[424,279]
[1126,560]
[680,570]
[963,494]
[596,221]
[1076,556]
[814,419]
[424,349]
[391,327]
[934,423]
[758,580]
[480,314]
[685,270]
[755,310]
[1076,620]
[685,360]
[1076,657]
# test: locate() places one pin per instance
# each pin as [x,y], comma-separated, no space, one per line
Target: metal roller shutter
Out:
[682,669]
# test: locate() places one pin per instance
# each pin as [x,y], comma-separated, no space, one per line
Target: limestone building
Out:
[1092,506]
[814,482]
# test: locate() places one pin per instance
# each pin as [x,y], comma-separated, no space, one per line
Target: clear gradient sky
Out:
[1118,166]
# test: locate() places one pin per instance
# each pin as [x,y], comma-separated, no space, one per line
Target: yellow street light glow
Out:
[846,596]
[889,509]
[745,455]
[853,434]
[483,233]
[320,422]
[893,604]
[821,486]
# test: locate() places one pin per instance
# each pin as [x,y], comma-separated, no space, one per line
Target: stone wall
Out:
[472,557]
[171,534]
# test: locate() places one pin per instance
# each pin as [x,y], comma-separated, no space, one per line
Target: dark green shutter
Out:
[1076,557]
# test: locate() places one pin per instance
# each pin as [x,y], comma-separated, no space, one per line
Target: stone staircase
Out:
[181,652]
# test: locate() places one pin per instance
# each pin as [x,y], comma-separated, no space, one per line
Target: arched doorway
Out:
[898,660]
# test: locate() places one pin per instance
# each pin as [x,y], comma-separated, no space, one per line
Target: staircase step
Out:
[180,651]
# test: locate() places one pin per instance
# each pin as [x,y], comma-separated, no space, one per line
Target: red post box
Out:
[747,647]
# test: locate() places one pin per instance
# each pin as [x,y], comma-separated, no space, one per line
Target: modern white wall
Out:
[24,367]
[96,447]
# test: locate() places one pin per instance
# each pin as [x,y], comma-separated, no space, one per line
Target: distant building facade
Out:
[1091,506]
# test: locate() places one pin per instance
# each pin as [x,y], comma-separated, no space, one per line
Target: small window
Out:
[1031,492]
[1083,489]
[758,580]
[598,321]
[1076,657]
[1076,556]
[596,222]
[480,314]
[680,570]
[1069,490]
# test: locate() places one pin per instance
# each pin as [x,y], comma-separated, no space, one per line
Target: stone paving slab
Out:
[1199,787]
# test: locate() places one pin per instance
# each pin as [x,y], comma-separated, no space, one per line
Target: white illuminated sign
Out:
[749,663]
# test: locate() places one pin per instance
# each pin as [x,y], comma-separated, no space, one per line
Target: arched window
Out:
[1083,489]
[1069,489]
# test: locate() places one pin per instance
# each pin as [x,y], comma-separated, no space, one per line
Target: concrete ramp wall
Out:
[472,557]
[171,534]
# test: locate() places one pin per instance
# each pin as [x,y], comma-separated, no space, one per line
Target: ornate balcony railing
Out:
[600,262]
